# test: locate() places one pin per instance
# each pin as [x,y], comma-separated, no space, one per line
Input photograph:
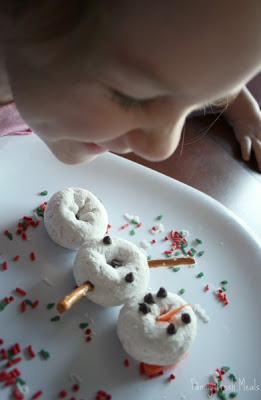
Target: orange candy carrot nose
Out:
[168,315]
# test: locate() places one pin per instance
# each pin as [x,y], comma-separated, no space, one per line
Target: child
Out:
[123,75]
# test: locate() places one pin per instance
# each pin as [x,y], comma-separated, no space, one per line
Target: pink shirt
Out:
[11,122]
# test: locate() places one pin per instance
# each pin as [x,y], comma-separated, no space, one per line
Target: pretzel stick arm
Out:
[67,302]
[169,262]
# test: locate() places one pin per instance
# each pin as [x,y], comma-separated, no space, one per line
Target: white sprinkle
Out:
[145,244]
[137,219]
[75,377]
[48,282]
[200,312]
[128,217]
[37,217]
[185,232]
[22,388]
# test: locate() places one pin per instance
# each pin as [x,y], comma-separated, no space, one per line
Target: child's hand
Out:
[248,134]
[244,115]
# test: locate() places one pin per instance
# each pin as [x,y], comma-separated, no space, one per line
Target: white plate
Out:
[232,252]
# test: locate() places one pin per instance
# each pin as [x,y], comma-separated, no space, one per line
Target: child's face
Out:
[132,90]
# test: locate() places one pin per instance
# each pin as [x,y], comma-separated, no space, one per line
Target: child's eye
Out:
[124,100]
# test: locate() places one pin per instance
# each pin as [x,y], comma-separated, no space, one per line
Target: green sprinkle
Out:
[177,253]
[10,355]
[44,193]
[24,223]
[40,213]
[132,232]
[20,381]
[200,275]
[56,318]
[159,217]
[221,394]
[28,302]
[3,304]
[199,241]
[50,306]
[232,377]
[134,221]
[200,253]
[9,235]
[183,245]
[225,368]
[193,250]
[175,269]
[224,288]
[169,255]
[45,354]
[83,325]
[149,258]
[224,282]
[181,291]
[232,395]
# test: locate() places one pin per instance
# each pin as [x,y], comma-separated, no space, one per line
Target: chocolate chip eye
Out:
[115,263]
[107,240]
[129,277]
[185,318]
[162,293]
[148,298]
[144,308]
[171,329]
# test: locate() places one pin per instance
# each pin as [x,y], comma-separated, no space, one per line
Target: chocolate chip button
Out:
[162,293]
[107,240]
[171,329]
[129,277]
[148,298]
[185,318]
[144,308]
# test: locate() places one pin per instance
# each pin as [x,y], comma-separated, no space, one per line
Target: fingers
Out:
[245,144]
[256,143]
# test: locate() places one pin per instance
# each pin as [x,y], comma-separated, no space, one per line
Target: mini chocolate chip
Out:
[171,329]
[162,293]
[116,263]
[185,318]
[144,308]
[129,277]
[107,240]
[148,298]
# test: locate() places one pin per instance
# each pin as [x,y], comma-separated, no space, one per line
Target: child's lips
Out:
[94,148]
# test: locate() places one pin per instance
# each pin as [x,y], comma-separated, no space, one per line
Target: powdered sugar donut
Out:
[74,215]
[157,328]
[117,268]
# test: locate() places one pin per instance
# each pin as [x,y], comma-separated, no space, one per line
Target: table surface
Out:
[209,160]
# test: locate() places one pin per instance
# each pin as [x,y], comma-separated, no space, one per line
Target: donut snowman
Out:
[155,328]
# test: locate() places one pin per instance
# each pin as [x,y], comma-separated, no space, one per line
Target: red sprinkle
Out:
[32,256]
[24,236]
[1,341]
[207,287]
[126,362]
[125,226]
[153,241]
[10,382]
[23,306]
[166,238]
[88,339]
[11,298]
[88,331]
[19,231]
[76,387]
[35,303]
[37,394]
[139,225]
[18,395]
[16,258]
[18,347]
[28,218]
[171,377]
[31,351]
[5,265]
[63,393]
[7,300]
[20,291]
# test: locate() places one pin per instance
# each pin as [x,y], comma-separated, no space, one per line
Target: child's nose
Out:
[157,140]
